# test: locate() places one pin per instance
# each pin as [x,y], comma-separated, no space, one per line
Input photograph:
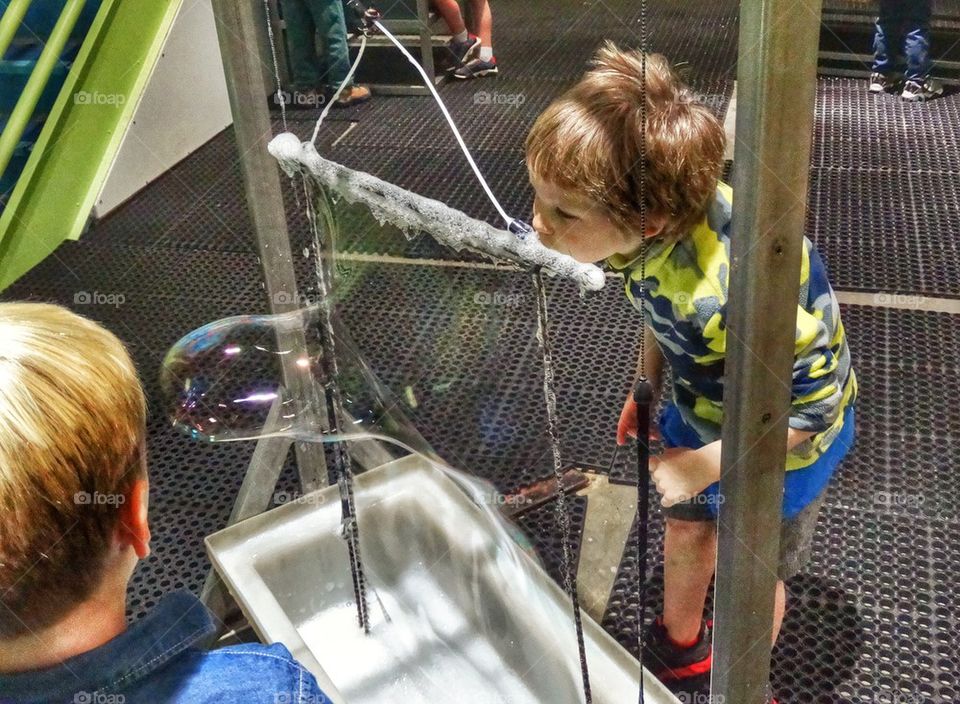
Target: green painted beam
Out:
[52,51]
[10,23]
[56,193]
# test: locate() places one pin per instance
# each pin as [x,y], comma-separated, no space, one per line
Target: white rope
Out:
[443,108]
[346,81]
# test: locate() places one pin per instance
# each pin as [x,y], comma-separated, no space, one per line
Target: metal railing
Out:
[19,119]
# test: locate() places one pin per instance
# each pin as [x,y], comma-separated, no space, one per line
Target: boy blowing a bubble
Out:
[584,157]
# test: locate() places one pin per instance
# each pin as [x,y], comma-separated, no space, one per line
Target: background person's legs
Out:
[450,12]
[888,38]
[301,34]
[915,18]
[330,23]
[483,19]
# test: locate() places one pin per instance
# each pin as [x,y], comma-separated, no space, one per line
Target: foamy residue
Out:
[414,213]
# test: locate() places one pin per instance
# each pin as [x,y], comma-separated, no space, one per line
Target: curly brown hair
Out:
[590,141]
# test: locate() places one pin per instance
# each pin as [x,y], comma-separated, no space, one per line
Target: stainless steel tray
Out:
[470,620]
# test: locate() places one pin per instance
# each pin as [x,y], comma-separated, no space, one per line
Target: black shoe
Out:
[463,51]
[684,669]
[883,82]
[914,91]
[478,68]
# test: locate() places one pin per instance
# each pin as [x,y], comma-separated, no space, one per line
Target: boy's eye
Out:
[565,215]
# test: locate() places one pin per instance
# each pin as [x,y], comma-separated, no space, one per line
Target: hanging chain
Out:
[276,64]
[643,414]
[563,515]
[350,528]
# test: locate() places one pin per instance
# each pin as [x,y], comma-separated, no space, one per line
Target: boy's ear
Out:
[655,225]
[133,528]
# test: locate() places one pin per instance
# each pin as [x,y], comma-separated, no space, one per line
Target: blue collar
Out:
[180,621]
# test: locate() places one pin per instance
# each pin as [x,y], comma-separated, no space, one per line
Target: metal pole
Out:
[241,28]
[776,90]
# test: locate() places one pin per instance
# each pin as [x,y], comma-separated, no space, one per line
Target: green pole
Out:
[10,23]
[52,51]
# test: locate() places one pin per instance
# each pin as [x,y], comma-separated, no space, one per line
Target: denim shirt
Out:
[161,659]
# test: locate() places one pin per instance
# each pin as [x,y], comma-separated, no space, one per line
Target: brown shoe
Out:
[353,96]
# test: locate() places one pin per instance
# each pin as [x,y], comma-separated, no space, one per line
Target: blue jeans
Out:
[903,25]
[305,19]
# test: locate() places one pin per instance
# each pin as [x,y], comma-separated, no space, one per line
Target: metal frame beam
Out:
[776,83]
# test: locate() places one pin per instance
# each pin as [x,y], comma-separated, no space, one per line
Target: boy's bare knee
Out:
[691,531]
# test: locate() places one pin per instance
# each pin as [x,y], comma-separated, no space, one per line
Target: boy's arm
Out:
[680,474]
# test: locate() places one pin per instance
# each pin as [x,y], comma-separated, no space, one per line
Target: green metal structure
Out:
[71,158]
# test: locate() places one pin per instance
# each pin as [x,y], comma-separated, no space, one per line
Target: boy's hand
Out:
[681,473]
[627,427]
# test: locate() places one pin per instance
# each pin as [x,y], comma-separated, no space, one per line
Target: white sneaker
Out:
[915,91]
[881,83]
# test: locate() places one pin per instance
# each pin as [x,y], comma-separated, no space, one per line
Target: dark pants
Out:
[903,25]
[305,19]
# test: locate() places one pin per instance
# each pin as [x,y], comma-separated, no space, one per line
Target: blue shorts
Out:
[801,486]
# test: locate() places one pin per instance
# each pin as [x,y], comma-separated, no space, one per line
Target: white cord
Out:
[347,80]
[443,108]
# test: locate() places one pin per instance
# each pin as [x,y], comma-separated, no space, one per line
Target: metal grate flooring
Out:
[873,619]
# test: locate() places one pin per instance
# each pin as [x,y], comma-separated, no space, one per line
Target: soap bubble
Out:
[256,376]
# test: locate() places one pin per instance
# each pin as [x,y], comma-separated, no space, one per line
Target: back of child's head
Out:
[590,141]
[72,424]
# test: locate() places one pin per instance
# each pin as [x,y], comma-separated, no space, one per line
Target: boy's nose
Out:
[539,225]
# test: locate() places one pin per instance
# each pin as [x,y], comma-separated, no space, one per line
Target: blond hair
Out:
[591,141]
[72,423]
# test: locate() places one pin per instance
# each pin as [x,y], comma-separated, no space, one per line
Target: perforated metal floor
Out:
[874,618]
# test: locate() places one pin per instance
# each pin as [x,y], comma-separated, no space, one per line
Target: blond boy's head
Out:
[589,144]
[72,426]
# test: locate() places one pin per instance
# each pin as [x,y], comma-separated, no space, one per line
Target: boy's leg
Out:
[302,44]
[689,561]
[779,610]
